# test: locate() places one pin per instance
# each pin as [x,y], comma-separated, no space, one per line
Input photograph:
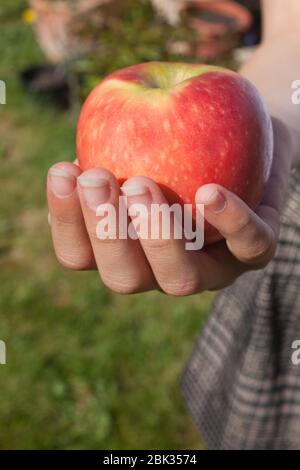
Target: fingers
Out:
[177,271]
[70,238]
[121,262]
[78,203]
[250,237]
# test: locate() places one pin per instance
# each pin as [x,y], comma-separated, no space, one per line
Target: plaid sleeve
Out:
[240,384]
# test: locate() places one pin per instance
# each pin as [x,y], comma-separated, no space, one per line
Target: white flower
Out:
[170,9]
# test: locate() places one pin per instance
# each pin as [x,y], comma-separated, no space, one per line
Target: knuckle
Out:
[122,286]
[62,220]
[157,245]
[262,252]
[258,252]
[241,224]
[181,287]
[95,238]
[73,264]
[264,248]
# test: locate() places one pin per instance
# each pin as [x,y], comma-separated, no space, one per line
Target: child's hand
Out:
[129,266]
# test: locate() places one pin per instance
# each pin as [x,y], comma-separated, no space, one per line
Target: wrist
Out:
[280,18]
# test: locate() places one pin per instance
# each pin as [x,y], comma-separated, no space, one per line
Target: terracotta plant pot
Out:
[217,22]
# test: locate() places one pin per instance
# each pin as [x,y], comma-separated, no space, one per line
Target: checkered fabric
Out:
[240,384]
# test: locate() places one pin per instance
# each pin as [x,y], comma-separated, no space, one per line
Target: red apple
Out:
[183,125]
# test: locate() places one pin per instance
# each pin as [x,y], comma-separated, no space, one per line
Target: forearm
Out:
[276,64]
[280,17]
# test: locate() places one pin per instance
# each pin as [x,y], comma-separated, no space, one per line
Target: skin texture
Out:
[182,130]
[249,237]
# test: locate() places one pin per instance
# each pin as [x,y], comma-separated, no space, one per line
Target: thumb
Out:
[249,237]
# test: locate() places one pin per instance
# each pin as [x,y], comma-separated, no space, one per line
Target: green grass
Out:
[86,369]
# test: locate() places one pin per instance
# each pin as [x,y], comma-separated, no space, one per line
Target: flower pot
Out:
[217,23]
[48,82]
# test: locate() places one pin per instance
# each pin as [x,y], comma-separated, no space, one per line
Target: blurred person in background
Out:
[241,384]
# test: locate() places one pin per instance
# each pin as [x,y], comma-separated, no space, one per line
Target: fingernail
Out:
[95,190]
[134,190]
[137,194]
[62,182]
[212,199]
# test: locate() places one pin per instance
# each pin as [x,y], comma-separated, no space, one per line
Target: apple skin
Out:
[183,125]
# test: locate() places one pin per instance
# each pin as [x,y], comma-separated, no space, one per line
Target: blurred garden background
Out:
[86,369]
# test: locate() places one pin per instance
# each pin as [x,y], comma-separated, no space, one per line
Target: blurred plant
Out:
[58,25]
[170,9]
[134,33]
[88,39]
[91,38]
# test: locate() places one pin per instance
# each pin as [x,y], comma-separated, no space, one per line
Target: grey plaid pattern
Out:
[240,384]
